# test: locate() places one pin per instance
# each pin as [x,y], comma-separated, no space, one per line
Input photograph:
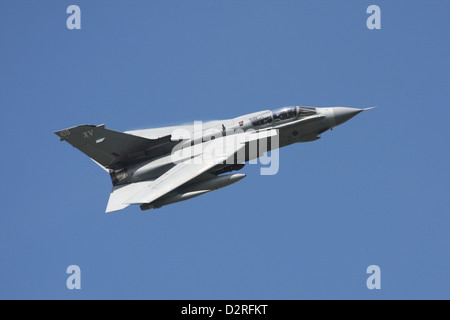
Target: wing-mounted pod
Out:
[194,190]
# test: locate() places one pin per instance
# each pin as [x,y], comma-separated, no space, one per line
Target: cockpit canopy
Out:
[305,111]
[282,114]
[285,113]
[262,119]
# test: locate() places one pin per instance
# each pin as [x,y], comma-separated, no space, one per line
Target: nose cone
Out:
[342,114]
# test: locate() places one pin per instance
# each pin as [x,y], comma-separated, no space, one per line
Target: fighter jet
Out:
[160,166]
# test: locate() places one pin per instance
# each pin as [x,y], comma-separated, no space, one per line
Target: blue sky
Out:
[373,191]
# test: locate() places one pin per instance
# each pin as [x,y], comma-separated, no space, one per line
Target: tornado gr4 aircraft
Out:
[160,166]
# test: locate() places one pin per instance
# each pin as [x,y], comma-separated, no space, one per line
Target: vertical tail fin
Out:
[108,148]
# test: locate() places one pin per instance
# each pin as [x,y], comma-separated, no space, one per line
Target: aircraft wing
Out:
[123,192]
[147,191]
[183,172]
[172,179]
